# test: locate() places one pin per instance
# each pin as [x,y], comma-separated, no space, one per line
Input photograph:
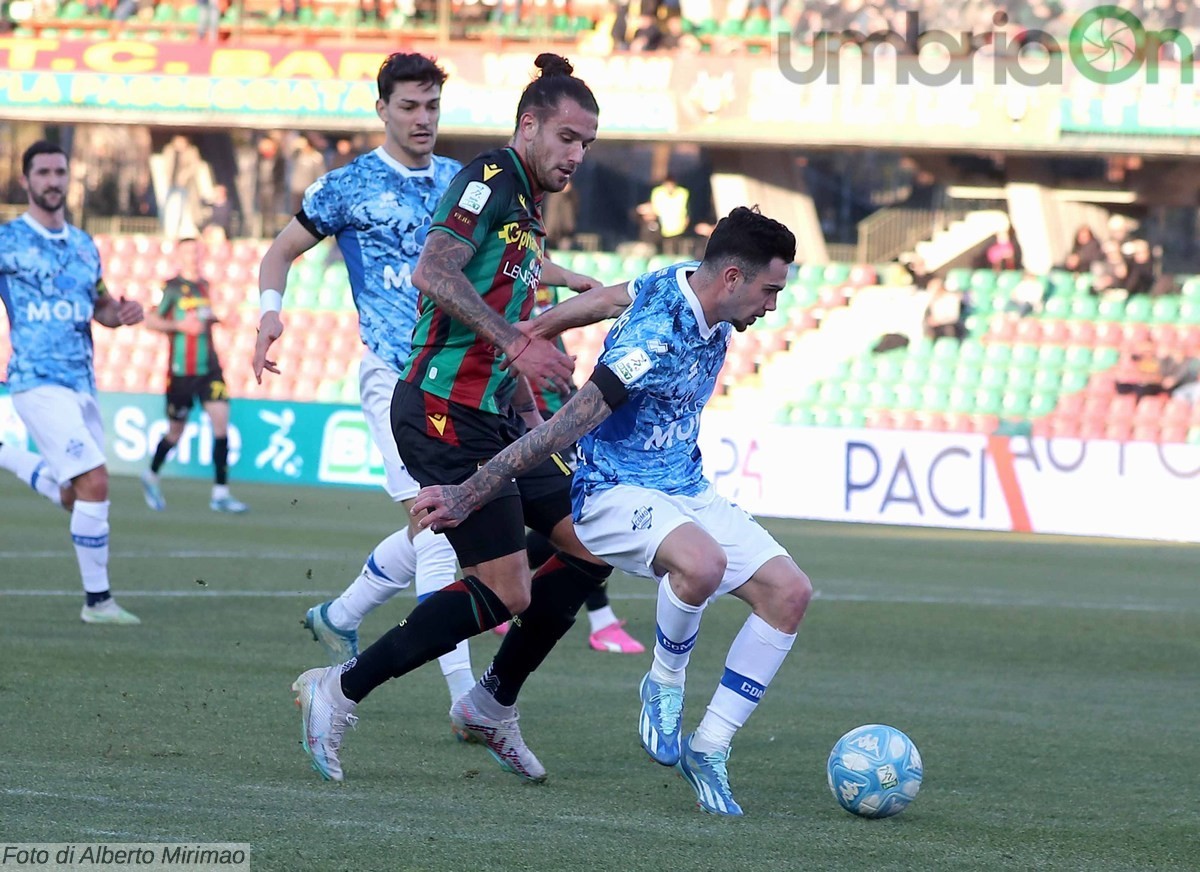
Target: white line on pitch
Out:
[898,599]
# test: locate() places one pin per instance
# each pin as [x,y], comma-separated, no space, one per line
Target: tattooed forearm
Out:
[583,412]
[439,275]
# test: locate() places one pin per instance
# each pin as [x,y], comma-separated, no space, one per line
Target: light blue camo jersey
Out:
[380,212]
[49,283]
[668,358]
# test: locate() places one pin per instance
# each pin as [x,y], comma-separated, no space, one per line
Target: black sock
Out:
[597,599]
[539,548]
[160,454]
[221,459]
[94,599]
[559,589]
[438,623]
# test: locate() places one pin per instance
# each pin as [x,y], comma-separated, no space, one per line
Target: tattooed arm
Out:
[439,275]
[448,505]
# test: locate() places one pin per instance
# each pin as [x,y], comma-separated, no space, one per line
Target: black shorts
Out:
[184,390]
[442,442]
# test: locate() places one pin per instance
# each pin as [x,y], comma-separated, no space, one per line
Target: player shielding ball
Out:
[640,498]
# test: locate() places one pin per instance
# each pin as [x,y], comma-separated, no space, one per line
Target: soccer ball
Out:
[874,771]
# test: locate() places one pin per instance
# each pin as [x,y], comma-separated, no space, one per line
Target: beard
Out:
[51,201]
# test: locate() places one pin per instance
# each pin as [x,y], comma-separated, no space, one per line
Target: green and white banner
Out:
[269,441]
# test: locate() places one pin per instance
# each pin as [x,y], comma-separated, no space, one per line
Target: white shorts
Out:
[66,427]
[376,384]
[625,525]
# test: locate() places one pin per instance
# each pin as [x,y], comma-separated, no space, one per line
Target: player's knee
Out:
[792,600]
[697,580]
[516,601]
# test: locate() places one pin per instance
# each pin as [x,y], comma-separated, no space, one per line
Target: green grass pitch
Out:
[1050,684]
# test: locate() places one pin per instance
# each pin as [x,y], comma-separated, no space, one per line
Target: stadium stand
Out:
[810,362]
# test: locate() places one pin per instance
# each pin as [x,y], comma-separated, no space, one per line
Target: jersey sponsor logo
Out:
[439,423]
[531,277]
[474,197]
[512,234]
[643,518]
[676,431]
[632,366]
[397,279]
[59,310]
[490,170]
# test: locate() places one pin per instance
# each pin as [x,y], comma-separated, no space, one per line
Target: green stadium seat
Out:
[941,372]
[920,349]
[1083,283]
[808,394]
[914,371]
[988,401]
[1085,308]
[1051,356]
[881,396]
[970,350]
[831,394]
[836,273]
[935,398]
[800,416]
[1104,357]
[1191,288]
[1042,403]
[1165,310]
[189,15]
[164,13]
[968,373]
[1074,380]
[993,377]
[756,27]
[810,272]
[854,418]
[856,395]
[998,353]
[908,397]
[730,27]
[1024,354]
[1110,310]
[1008,280]
[72,11]
[1057,307]
[958,279]
[1189,311]
[983,280]
[862,369]
[1078,357]
[1138,308]
[1047,379]
[1015,403]
[961,398]
[635,266]
[1020,379]
[887,369]
[946,348]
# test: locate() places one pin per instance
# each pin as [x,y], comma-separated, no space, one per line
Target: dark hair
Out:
[556,81]
[39,147]
[751,240]
[404,67]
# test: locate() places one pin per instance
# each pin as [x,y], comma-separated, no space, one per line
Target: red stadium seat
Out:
[1120,431]
[1029,330]
[1176,411]
[958,422]
[1145,433]
[1055,332]
[1173,433]
[1002,330]
[904,420]
[1136,332]
[1108,333]
[1149,409]
[1070,405]
[1092,430]
[880,419]
[1122,408]
[986,424]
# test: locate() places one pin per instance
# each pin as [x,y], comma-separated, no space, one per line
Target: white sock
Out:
[436,564]
[754,657]
[388,570]
[89,530]
[601,618]
[676,627]
[487,706]
[220,491]
[32,470]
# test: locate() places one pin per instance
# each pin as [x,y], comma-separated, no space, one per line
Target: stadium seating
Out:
[810,362]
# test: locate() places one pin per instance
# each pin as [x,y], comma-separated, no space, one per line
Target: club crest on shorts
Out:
[643,518]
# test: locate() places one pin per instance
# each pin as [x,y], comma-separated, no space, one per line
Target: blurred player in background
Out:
[379,208]
[50,284]
[641,501]
[458,404]
[185,315]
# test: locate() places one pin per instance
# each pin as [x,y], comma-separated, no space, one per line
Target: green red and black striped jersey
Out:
[491,207]
[548,400]
[190,355]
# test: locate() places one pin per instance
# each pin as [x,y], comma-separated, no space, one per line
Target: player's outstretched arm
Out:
[556,276]
[291,242]
[439,275]
[113,312]
[448,505]
[595,305]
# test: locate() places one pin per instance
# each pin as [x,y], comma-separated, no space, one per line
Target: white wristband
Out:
[270,300]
